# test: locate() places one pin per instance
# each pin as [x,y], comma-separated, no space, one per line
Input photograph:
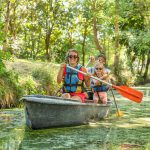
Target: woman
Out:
[73,82]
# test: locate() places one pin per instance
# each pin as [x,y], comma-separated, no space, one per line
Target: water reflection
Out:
[128,132]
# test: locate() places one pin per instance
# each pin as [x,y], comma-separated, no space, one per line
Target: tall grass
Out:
[10,90]
[24,78]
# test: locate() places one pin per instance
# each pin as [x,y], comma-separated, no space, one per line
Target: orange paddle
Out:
[125,91]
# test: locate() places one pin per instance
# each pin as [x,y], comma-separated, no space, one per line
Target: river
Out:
[129,132]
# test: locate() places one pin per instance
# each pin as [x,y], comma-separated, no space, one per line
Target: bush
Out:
[45,79]
[10,91]
[29,86]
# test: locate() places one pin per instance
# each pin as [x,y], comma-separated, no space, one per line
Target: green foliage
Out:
[10,90]
[28,85]
[45,80]
[139,80]
[43,76]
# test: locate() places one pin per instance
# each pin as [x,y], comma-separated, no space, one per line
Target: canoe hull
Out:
[46,112]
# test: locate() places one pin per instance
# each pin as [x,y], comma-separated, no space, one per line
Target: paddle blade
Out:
[119,113]
[129,93]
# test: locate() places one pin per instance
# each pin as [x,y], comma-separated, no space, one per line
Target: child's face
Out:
[101,60]
[99,68]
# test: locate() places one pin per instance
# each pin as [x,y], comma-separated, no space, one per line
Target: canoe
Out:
[49,111]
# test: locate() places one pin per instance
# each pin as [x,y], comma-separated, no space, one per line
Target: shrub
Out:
[10,91]
[45,79]
[29,86]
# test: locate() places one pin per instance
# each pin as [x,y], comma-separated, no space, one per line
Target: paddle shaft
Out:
[115,101]
[86,74]
[88,63]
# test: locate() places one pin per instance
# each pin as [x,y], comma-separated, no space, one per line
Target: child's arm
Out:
[105,76]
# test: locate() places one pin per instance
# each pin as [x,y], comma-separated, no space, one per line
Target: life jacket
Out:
[99,88]
[73,81]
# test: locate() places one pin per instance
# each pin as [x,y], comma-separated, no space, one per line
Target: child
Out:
[100,58]
[99,89]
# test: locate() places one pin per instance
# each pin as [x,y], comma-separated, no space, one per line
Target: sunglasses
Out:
[73,56]
[99,68]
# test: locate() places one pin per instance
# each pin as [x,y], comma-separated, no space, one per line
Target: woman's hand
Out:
[86,77]
[62,66]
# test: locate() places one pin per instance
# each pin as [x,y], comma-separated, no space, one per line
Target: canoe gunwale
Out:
[58,101]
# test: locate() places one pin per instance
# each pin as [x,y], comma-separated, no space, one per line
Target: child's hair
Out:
[98,64]
[101,55]
[69,51]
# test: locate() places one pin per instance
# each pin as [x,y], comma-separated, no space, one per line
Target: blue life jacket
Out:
[100,88]
[71,80]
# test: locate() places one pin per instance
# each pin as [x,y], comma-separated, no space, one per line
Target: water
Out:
[129,132]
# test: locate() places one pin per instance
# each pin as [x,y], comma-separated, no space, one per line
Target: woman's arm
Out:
[61,73]
[86,78]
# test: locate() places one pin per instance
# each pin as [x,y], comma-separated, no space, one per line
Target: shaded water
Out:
[130,132]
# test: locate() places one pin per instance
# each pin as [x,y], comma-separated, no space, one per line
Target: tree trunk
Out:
[47,39]
[49,29]
[13,21]
[117,50]
[83,44]
[38,45]
[142,65]
[96,41]
[147,66]
[33,48]
[138,67]
[6,26]
[108,52]
[70,39]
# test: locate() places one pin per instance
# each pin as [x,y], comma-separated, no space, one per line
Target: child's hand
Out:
[92,59]
[96,83]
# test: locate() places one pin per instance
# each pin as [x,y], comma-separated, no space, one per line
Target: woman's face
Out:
[72,58]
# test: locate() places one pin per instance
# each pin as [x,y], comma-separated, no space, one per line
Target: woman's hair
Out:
[69,51]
